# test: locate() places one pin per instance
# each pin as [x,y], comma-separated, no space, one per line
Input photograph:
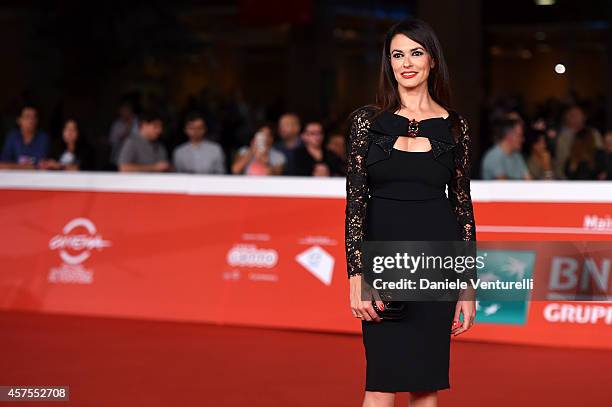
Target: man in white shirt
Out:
[574,120]
[198,155]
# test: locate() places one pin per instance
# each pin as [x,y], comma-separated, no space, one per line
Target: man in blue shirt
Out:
[289,133]
[504,159]
[25,146]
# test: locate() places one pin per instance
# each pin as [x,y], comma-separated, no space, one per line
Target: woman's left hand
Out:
[468,308]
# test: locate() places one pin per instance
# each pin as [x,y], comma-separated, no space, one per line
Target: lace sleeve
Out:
[459,187]
[357,192]
[461,201]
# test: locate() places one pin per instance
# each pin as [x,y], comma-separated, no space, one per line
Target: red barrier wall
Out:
[248,250]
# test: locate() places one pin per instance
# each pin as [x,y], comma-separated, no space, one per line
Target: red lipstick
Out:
[408,74]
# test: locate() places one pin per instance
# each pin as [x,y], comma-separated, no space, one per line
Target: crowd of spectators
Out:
[545,147]
[134,145]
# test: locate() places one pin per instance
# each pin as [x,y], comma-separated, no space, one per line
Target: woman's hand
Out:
[320,170]
[468,308]
[49,164]
[363,309]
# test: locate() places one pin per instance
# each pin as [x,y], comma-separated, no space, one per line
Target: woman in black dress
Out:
[71,152]
[403,152]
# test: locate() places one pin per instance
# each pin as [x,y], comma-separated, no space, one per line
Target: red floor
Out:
[117,362]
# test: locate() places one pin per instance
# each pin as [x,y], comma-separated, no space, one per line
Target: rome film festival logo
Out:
[78,240]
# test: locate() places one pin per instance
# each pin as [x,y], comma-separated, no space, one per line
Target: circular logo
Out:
[79,237]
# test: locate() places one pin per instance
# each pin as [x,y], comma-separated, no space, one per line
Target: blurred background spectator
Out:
[573,122]
[70,152]
[259,157]
[310,158]
[124,126]
[585,160]
[539,161]
[504,160]
[289,139]
[198,155]
[25,145]
[143,151]
[337,145]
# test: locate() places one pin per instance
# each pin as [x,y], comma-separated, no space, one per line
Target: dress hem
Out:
[403,390]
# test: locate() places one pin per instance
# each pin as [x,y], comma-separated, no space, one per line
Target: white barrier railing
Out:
[482,191]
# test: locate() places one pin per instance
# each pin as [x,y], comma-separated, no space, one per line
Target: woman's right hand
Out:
[363,309]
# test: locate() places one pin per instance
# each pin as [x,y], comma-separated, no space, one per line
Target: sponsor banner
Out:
[184,252]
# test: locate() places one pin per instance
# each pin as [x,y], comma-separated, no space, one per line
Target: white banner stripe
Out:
[285,186]
[541,229]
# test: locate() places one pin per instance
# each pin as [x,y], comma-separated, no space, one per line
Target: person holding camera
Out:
[259,158]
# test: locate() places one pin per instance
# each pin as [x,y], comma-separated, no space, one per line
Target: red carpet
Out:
[118,362]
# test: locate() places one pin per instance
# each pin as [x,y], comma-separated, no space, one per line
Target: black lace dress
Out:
[398,195]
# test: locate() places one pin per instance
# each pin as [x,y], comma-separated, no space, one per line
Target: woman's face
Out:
[71,132]
[336,144]
[313,135]
[410,61]
[268,133]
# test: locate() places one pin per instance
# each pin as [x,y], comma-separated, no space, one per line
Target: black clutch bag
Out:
[393,309]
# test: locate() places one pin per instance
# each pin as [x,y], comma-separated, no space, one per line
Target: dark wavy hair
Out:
[387,96]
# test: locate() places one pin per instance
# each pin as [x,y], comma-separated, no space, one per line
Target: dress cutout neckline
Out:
[423,120]
[412,152]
